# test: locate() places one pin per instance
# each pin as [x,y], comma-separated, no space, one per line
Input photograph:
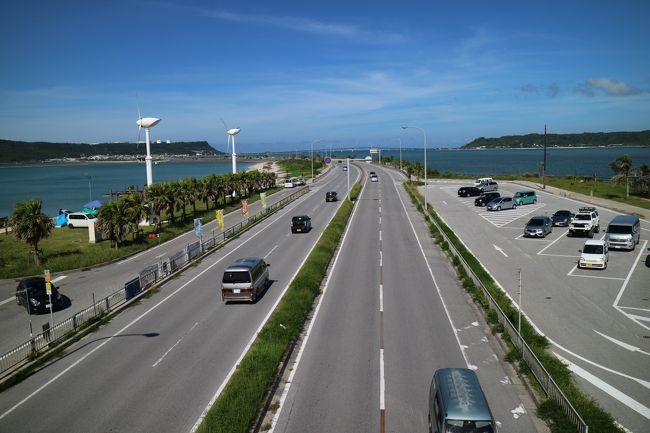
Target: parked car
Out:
[31,294]
[481,180]
[562,218]
[538,226]
[331,196]
[488,186]
[525,197]
[80,219]
[485,198]
[468,191]
[300,224]
[374,178]
[345,168]
[502,203]
[289,183]
[594,254]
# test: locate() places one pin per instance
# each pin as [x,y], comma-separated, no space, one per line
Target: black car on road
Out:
[469,191]
[300,224]
[331,196]
[485,198]
[31,294]
[562,218]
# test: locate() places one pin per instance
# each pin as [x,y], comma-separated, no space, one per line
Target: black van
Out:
[300,224]
[485,198]
[469,191]
[331,196]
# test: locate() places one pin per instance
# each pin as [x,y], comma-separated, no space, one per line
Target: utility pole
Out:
[544,166]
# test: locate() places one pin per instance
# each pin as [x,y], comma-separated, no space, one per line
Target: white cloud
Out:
[610,87]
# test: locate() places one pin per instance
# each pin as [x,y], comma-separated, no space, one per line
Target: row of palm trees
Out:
[118,218]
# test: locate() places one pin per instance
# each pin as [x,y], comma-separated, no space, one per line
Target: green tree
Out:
[113,221]
[137,210]
[31,225]
[621,166]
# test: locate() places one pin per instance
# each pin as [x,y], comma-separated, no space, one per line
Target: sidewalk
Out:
[596,201]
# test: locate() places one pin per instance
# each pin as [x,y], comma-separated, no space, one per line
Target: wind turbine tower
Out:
[231,136]
[147,123]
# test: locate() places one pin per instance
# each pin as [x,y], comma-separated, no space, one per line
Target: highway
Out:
[81,285]
[157,365]
[596,320]
[392,312]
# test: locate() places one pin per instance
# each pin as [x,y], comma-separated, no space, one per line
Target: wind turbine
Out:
[231,132]
[147,123]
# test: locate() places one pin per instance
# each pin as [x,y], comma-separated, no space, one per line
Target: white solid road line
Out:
[622,343]
[549,245]
[607,388]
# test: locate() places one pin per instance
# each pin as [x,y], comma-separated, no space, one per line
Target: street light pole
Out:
[400,154]
[312,159]
[424,133]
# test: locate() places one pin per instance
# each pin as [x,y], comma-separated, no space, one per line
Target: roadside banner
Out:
[48,282]
[263,200]
[220,218]
[198,229]
[244,207]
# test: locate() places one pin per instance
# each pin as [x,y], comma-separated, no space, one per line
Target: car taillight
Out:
[224,290]
[247,291]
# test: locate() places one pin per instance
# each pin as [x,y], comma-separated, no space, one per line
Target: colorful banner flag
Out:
[263,200]
[244,207]
[220,218]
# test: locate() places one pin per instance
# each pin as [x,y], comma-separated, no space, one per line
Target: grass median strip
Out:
[236,408]
[599,421]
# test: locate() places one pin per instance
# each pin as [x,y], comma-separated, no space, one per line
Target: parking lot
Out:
[598,320]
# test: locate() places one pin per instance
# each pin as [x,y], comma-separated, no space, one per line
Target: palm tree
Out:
[205,189]
[622,166]
[31,225]
[193,189]
[155,194]
[113,221]
[137,210]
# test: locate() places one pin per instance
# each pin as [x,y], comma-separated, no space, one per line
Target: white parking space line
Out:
[499,249]
[549,245]
[622,343]
[634,318]
[602,278]
[444,202]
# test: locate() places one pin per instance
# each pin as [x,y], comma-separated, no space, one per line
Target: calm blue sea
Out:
[559,161]
[69,186]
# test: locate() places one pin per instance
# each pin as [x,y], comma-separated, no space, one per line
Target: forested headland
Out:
[589,139]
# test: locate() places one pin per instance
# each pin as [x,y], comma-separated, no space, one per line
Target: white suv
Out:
[594,254]
[80,219]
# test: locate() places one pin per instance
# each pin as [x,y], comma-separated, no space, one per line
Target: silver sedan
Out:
[502,203]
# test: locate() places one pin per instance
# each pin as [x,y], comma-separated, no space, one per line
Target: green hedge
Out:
[235,411]
[598,420]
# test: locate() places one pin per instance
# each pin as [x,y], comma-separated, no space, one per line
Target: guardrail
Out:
[543,377]
[146,278]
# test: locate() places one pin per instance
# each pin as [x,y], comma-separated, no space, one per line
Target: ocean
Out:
[69,186]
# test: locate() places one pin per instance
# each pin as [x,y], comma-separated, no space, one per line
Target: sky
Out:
[295,74]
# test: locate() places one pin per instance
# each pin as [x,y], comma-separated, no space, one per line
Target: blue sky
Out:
[344,73]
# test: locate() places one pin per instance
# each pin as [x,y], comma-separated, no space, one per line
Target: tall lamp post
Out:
[400,154]
[425,160]
[312,159]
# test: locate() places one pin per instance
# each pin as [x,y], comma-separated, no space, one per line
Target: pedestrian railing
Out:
[147,277]
[543,377]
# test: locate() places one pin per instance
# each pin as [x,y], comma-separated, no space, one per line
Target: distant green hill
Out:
[23,151]
[640,138]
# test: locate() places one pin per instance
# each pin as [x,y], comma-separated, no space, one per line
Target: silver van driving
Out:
[624,231]
[245,280]
[457,403]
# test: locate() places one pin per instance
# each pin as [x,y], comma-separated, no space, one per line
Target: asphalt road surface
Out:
[597,320]
[391,314]
[157,365]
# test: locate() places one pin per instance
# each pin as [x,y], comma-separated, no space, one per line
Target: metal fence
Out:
[147,277]
[543,377]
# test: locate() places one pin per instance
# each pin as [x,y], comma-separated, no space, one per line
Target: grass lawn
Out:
[68,249]
[300,167]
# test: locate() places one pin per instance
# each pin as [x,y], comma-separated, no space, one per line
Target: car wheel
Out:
[18,301]
[514,205]
[70,226]
[535,201]
[590,234]
[498,207]
[598,229]
[647,261]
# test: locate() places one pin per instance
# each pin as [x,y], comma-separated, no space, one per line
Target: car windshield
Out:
[453,426]
[583,216]
[562,213]
[536,222]
[620,230]
[234,277]
[593,249]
